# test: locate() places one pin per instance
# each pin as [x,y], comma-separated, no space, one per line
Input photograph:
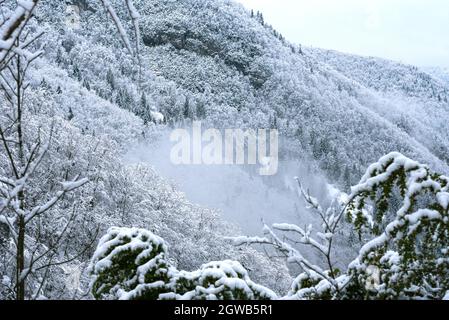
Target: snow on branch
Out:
[328,278]
[132,264]
[410,244]
[292,255]
[394,169]
[305,235]
[67,186]
[13,25]
[135,16]
[119,25]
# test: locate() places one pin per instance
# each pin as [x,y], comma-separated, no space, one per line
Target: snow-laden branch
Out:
[118,23]
[148,274]
[18,185]
[135,16]
[292,255]
[135,19]
[417,180]
[66,187]
[305,235]
[12,27]
[328,279]
[410,244]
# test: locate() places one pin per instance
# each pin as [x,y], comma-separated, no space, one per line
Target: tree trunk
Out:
[20,260]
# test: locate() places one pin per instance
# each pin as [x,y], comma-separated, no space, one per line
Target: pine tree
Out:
[200,110]
[143,101]
[410,245]
[59,57]
[70,115]
[186,111]
[347,178]
[77,73]
[124,99]
[86,84]
[132,264]
[260,18]
[110,78]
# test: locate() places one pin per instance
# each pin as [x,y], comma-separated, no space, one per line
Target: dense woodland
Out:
[82,82]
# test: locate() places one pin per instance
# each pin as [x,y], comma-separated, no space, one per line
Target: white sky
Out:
[411,31]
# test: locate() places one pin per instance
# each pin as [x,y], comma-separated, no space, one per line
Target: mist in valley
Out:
[241,195]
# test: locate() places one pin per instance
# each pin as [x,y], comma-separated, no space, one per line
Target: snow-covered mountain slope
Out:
[384,75]
[439,73]
[212,59]
[409,98]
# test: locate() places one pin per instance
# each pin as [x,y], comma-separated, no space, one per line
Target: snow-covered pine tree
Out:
[404,205]
[133,264]
[130,264]
[401,210]
[218,280]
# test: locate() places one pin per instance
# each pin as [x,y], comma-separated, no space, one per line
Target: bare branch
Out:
[12,28]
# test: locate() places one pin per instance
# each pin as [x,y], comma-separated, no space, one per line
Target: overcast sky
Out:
[410,31]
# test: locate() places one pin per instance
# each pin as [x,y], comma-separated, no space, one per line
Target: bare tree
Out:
[34,253]
[285,237]
[24,155]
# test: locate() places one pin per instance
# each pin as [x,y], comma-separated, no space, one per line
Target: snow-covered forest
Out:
[91,208]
